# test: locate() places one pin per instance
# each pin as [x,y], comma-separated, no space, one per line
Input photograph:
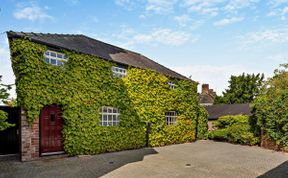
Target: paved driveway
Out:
[199,159]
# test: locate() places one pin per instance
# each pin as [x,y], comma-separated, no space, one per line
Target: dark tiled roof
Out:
[87,45]
[216,111]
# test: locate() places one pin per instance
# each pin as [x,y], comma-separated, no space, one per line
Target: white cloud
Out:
[160,6]
[278,8]
[206,7]
[32,13]
[279,58]
[5,66]
[127,4]
[275,3]
[234,5]
[216,76]
[228,21]
[268,37]
[164,36]
[123,2]
[182,20]
[285,10]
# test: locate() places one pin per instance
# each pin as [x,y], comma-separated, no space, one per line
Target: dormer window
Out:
[55,58]
[119,72]
[172,85]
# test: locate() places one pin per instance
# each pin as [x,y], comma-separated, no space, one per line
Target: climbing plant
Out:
[85,83]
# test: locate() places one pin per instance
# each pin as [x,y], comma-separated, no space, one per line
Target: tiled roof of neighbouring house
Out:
[87,45]
[205,98]
[216,111]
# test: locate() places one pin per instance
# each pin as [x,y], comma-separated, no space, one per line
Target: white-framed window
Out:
[172,85]
[119,72]
[109,116]
[170,117]
[55,58]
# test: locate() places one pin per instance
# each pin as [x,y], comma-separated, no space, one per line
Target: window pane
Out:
[53,61]
[59,55]
[47,60]
[53,54]
[104,117]
[47,53]
[59,63]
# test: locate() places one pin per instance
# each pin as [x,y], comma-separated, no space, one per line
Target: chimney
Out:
[205,88]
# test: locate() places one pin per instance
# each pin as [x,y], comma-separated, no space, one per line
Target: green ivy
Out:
[85,83]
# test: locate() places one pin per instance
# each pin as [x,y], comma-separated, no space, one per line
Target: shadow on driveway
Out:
[280,171]
[84,166]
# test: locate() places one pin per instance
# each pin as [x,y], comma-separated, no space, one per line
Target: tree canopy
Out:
[3,98]
[242,89]
[271,107]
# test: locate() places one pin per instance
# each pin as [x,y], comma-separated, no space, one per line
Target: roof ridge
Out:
[37,33]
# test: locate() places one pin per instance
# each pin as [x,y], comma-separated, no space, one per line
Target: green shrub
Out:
[235,129]
[3,123]
[270,108]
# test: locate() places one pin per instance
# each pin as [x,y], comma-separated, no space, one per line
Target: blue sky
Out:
[206,39]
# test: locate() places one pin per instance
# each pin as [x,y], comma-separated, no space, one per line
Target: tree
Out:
[242,89]
[270,111]
[3,97]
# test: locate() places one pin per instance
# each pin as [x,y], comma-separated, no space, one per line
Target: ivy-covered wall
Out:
[85,83]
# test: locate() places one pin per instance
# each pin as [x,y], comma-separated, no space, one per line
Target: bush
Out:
[235,129]
[3,123]
[270,110]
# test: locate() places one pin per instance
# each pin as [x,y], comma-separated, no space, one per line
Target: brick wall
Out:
[29,139]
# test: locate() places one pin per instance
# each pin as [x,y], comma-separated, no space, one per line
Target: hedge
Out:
[235,129]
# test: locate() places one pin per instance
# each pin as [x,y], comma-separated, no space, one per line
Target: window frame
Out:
[104,119]
[119,72]
[172,85]
[171,119]
[54,56]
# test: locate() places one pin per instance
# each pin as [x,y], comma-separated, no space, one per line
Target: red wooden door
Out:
[51,129]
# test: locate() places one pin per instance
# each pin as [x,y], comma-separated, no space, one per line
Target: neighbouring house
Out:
[207,96]
[219,110]
[79,95]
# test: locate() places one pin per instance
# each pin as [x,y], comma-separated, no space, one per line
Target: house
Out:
[207,96]
[219,110]
[79,95]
